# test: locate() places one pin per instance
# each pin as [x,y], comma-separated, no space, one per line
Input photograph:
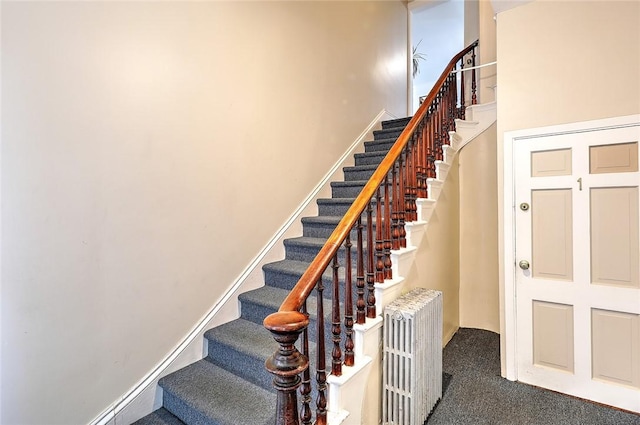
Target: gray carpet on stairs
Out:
[231,386]
[477,395]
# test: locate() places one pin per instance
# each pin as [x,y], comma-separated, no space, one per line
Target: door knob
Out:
[524,265]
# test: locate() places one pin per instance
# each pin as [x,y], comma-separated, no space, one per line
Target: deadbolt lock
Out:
[524,264]
[524,206]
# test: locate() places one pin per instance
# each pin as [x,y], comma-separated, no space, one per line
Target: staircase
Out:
[386,198]
[231,385]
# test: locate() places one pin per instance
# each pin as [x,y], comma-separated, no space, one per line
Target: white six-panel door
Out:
[577,285]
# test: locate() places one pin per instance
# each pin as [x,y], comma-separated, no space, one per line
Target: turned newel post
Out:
[287,363]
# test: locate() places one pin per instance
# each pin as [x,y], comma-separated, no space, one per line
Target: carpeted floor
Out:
[476,394]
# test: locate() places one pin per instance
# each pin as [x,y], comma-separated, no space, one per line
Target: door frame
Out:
[508,340]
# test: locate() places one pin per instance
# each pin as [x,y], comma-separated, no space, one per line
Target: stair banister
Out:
[405,171]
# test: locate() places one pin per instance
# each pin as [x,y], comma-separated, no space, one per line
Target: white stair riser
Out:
[424,208]
[434,187]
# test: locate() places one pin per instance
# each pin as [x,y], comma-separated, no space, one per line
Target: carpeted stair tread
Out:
[285,266]
[397,122]
[286,273]
[361,183]
[361,167]
[159,417]
[271,298]
[379,145]
[347,189]
[241,347]
[297,268]
[305,241]
[246,337]
[328,219]
[338,201]
[305,248]
[323,226]
[370,158]
[387,133]
[322,219]
[339,206]
[267,296]
[205,394]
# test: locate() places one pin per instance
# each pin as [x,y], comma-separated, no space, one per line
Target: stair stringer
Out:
[361,386]
[146,395]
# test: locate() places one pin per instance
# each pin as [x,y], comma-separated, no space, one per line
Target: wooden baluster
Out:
[447,95]
[436,132]
[348,306]
[436,129]
[321,374]
[336,353]
[414,178]
[422,159]
[429,146]
[395,215]
[474,99]
[445,119]
[462,90]
[287,363]
[360,302]
[454,97]
[452,105]
[401,190]
[305,389]
[434,138]
[379,239]
[419,134]
[443,126]
[408,181]
[371,297]
[387,230]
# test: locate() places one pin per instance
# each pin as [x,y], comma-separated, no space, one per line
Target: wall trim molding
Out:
[146,396]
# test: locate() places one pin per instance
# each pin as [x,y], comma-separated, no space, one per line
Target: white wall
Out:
[149,150]
[441,27]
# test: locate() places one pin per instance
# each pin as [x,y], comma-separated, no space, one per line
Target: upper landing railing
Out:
[376,221]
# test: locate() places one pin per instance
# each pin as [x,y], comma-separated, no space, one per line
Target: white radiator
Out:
[412,357]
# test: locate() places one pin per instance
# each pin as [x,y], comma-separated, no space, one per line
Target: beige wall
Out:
[437,259]
[487,52]
[471,22]
[479,307]
[562,62]
[149,150]
[567,61]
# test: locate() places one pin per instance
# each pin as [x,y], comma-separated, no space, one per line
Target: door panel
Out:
[577,294]
[551,163]
[553,335]
[616,347]
[614,236]
[552,230]
[617,158]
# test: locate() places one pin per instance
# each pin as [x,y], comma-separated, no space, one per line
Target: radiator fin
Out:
[412,357]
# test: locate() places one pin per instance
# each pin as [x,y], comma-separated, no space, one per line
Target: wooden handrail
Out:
[308,280]
[289,318]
